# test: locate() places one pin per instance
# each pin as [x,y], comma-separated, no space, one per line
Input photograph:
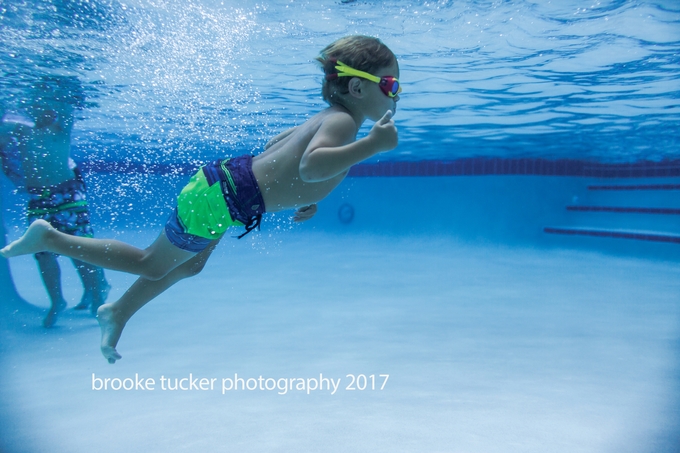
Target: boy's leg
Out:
[153,262]
[51,277]
[95,286]
[113,316]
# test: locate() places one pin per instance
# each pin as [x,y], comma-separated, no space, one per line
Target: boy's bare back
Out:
[277,170]
[290,178]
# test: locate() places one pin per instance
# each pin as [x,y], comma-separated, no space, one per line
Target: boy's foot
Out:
[111,331]
[52,315]
[33,240]
[110,354]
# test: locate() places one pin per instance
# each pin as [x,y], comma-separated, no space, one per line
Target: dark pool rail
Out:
[625,210]
[638,235]
[655,194]
[636,187]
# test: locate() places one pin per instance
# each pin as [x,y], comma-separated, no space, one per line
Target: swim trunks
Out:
[221,194]
[63,205]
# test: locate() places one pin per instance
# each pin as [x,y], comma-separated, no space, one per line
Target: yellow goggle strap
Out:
[346,71]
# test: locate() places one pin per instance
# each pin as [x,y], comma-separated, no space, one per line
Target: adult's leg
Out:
[152,263]
[113,316]
[51,277]
[95,286]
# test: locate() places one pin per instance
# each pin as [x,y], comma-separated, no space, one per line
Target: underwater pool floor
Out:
[487,348]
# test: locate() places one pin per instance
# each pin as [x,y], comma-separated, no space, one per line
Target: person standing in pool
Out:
[35,148]
[297,169]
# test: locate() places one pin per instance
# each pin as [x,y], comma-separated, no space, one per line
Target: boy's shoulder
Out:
[335,117]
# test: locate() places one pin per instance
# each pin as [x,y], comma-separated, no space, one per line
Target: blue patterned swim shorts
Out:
[64,206]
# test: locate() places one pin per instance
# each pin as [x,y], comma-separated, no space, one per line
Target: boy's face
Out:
[377,101]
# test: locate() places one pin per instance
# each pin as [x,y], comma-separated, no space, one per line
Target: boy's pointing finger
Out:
[386,117]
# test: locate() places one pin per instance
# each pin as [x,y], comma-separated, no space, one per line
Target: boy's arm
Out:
[278,138]
[332,151]
[305,213]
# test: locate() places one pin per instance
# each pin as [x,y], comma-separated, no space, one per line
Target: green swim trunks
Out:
[202,209]
[221,194]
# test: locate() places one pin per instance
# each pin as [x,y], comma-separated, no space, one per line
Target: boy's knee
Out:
[153,269]
[193,269]
[154,273]
[158,272]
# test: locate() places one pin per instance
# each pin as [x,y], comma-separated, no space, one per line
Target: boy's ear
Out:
[355,87]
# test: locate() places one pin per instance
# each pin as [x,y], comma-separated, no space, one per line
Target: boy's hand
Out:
[305,213]
[384,133]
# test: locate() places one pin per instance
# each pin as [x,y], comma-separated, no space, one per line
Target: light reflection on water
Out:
[187,81]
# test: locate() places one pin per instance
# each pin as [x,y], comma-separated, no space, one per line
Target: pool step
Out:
[642,212]
[621,234]
[624,210]
[621,187]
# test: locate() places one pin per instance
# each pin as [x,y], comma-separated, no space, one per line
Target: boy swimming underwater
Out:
[298,168]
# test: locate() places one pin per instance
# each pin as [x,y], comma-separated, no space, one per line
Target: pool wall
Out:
[631,209]
[516,210]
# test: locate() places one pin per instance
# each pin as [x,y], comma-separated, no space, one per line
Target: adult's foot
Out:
[90,301]
[103,295]
[53,314]
[85,301]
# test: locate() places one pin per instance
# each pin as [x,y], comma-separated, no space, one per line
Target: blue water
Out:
[179,81]
[497,337]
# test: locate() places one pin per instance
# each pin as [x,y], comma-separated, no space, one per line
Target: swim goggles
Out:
[388,84]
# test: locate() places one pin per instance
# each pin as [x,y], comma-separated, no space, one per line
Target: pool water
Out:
[492,340]
[487,348]
[506,280]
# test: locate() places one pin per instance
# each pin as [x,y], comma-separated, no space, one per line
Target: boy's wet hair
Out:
[364,53]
